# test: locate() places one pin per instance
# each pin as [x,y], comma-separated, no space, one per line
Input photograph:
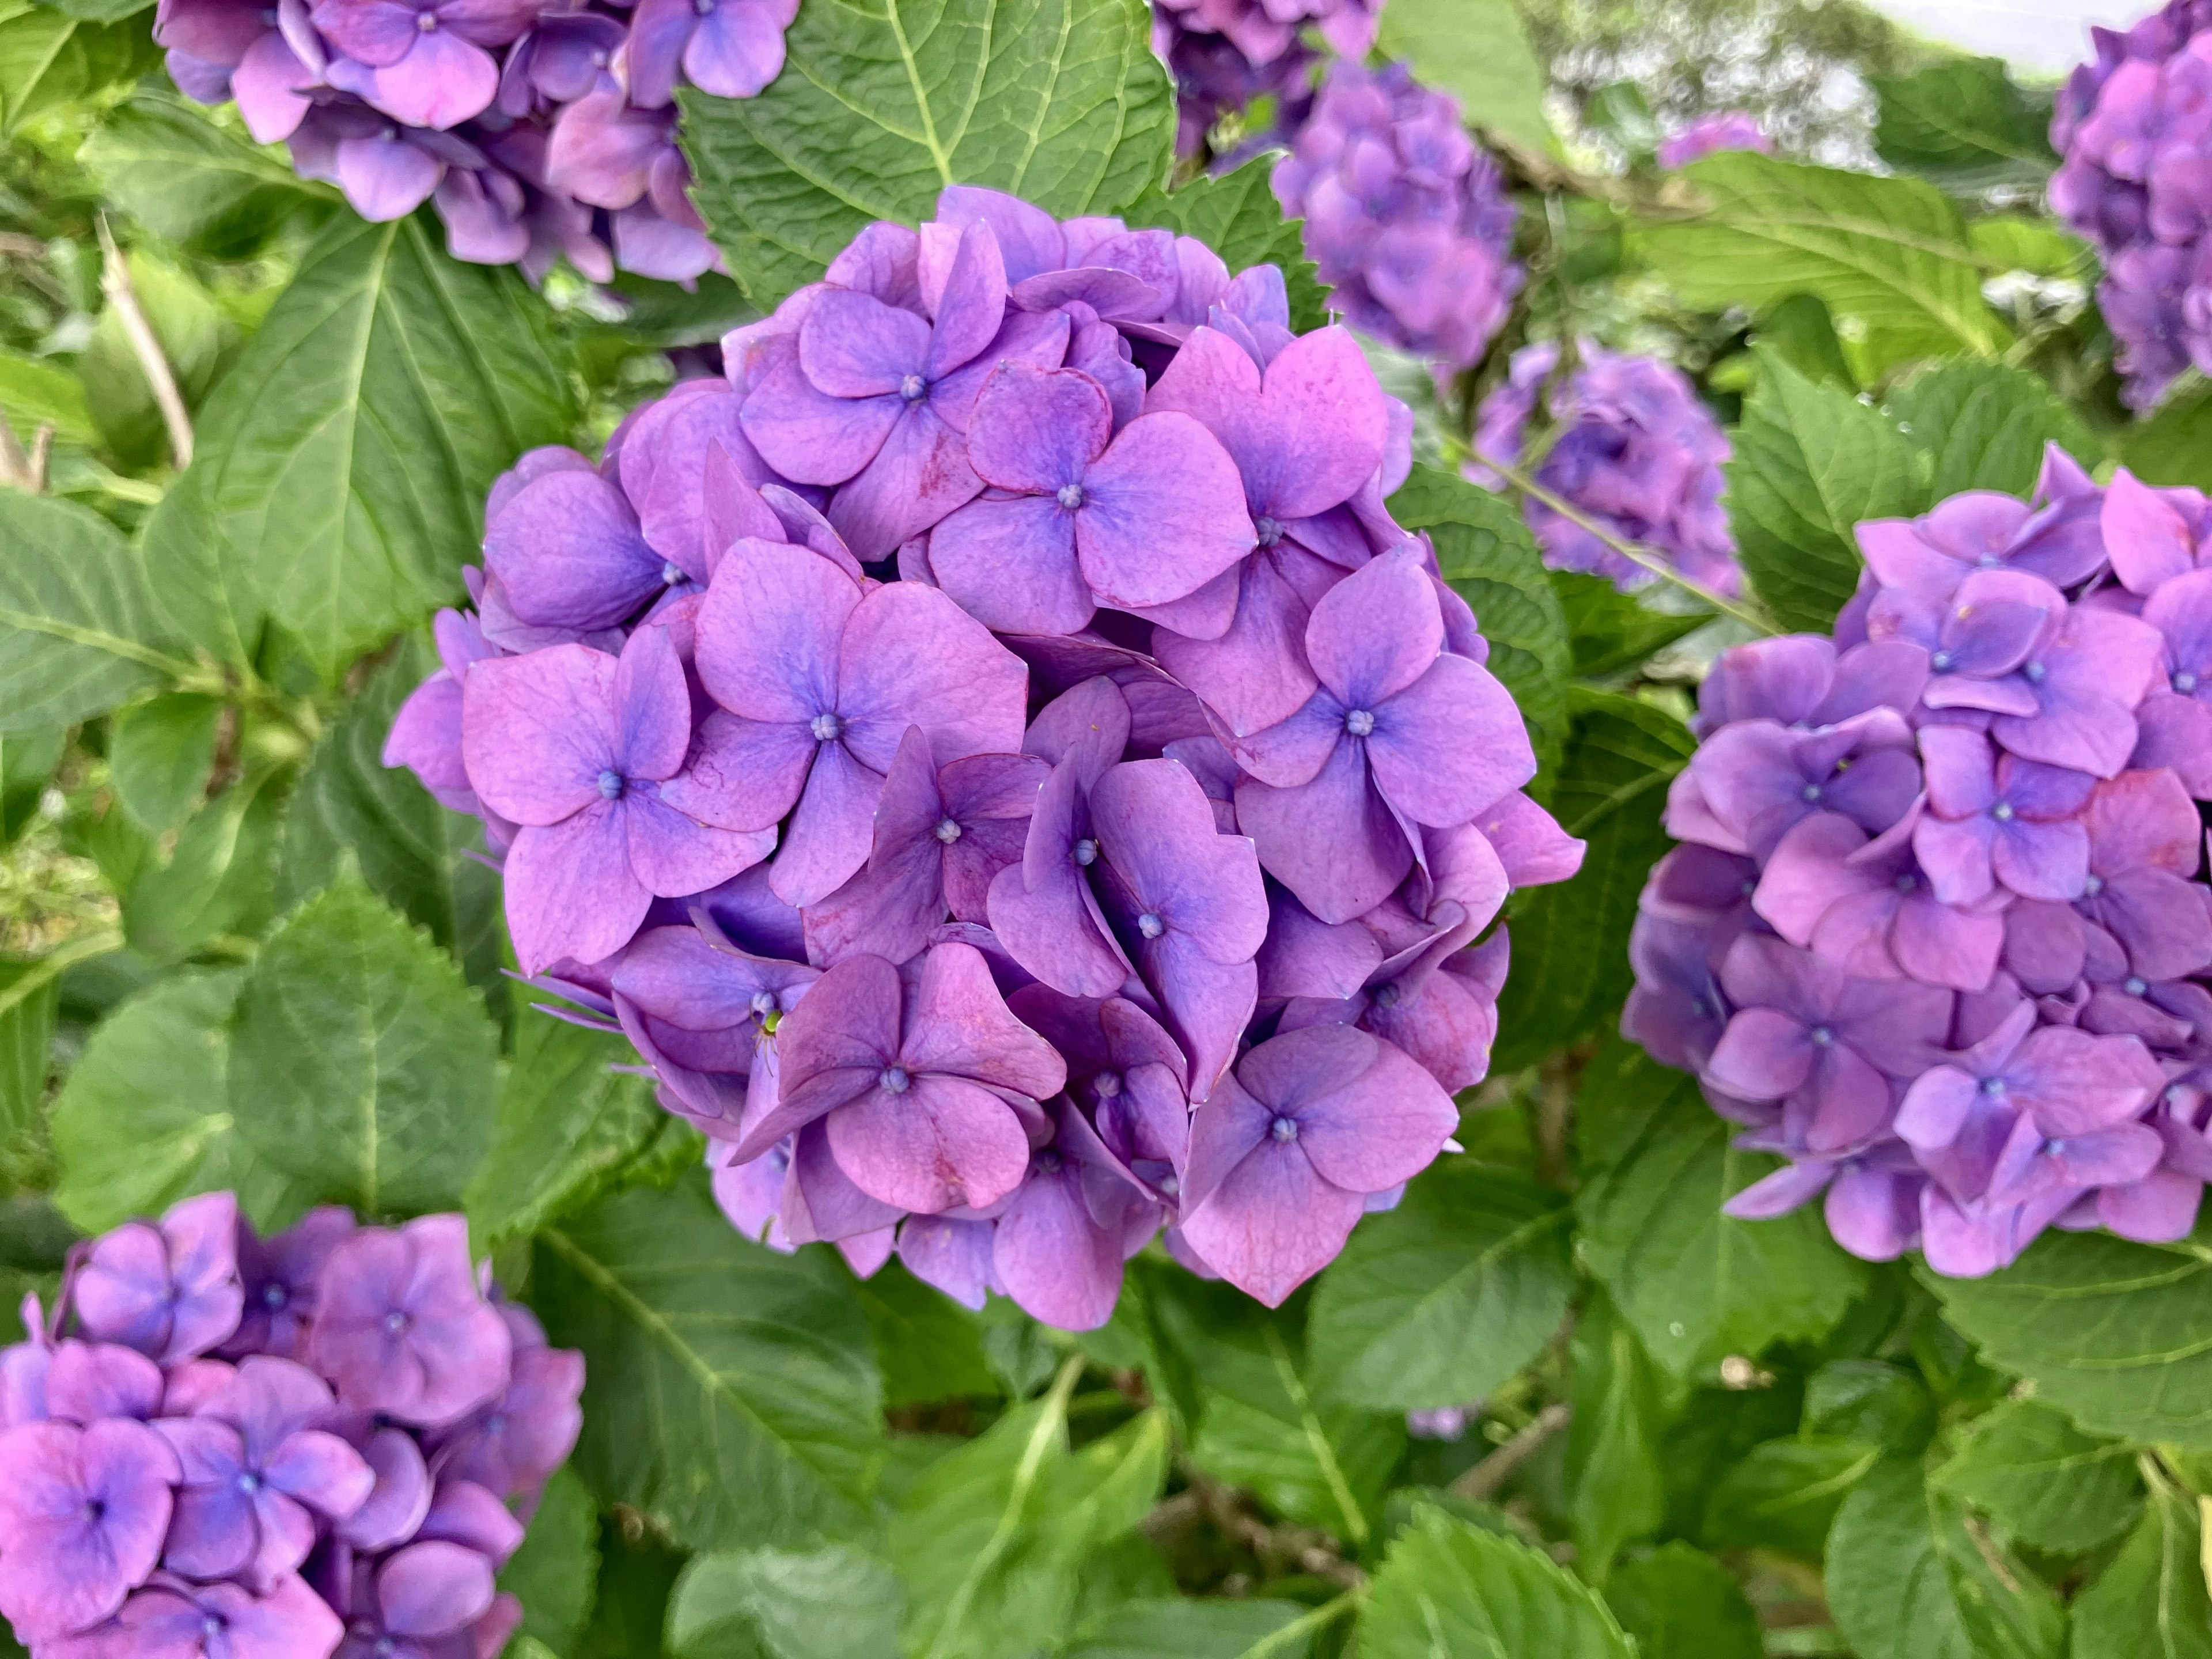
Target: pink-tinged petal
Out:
[658,31]
[737,50]
[809,436]
[2145,535]
[911,657]
[829,1207]
[1850,1101]
[1777,1195]
[1956,858]
[1011,564]
[374,31]
[433,1589]
[2042,860]
[1162,514]
[1208,1004]
[1055,931]
[1961,770]
[1296,750]
[918,476]
[972,302]
[385,178]
[1332,841]
[942,1143]
[570,891]
[955,1256]
[1272,1223]
[1936,1107]
[1940,945]
[1384,1127]
[2159,1209]
[1254,676]
[537,732]
[1204,613]
[1055,1260]
[741,774]
[319,1468]
[1036,429]
[269,84]
[1450,744]
[1155,827]
[769,630]
[2075,1083]
[990,798]
[1763,1055]
[828,835]
[652,707]
[1306,957]
[674,855]
[566,549]
[956,1023]
[1309,441]
[852,345]
[443,82]
[1376,632]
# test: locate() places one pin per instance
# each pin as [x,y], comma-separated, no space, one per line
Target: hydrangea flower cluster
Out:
[323,1442]
[1406,216]
[1708,134]
[1937,933]
[1227,54]
[1636,451]
[539,129]
[998,760]
[2136,130]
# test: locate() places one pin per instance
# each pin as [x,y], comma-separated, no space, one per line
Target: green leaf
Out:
[1910,1575]
[1613,1442]
[27,760]
[1570,969]
[1869,1401]
[158,756]
[1486,554]
[930,1347]
[412,852]
[219,880]
[2012,241]
[1479,51]
[1441,1299]
[1888,256]
[2174,445]
[836,1602]
[362,1064]
[1784,1495]
[1324,1468]
[1450,1589]
[556,1569]
[193,334]
[30,993]
[1679,1603]
[1188,1628]
[1611,633]
[2116,1335]
[193,182]
[49,59]
[343,463]
[77,635]
[1983,426]
[567,1128]
[1799,331]
[144,1118]
[2150,1603]
[35,391]
[732,1393]
[1964,125]
[1811,462]
[1236,215]
[882,103]
[1696,1284]
[2035,1474]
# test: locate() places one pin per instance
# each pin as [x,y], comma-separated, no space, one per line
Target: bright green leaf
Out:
[158,756]
[556,1569]
[221,879]
[2150,1603]
[2174,445]
[1479,51]
[1983,426]
[2028,1467]
[2013,241]
[1812,462]
[1441,1299]
[732,1393]
[49,59]
[362,1064]
[1236,215]
[1798,330]
[836,1602]
[1612,633]
[1888,256]
[343,460]
[36,392]
[1613,1441]
[1964,124]
[1188,1628]
[882,103]
[1696,1284]
[1450,1589]
[1679,1603]
[77,634]
[192,181]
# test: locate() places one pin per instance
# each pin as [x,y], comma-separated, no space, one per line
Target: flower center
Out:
[248,1482]
[1386,996]
[894,1080]
[1992,1086]
[1086,852]
[2001,812]
[386,1647]
[275,1297]
[1811,792]
[1360,722]
[610,785]
[1269,531]
[1047,1162]
[96,1511]
[1107,1084]
[1941,661]
[1906,883]
[396,1324]
[2184,681]
[1822,1036]
[1284,1129]
[2135,985]
[1169,1185]
[2034,672]
[671,573]
[1070,496]
[827,728]
[947,831]
[702,7]
[211,1628]
[913,388]
[764,1003]
[426,22]
[1150,925]
[2094,885]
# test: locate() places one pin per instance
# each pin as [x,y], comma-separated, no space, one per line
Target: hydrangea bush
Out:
[1472,918]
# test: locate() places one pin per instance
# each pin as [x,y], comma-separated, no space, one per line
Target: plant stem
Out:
[1634,552]
[1495,1470]
[115,282]
[1326,1615]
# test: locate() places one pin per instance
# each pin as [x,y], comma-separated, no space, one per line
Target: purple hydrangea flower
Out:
[401,1328]
[82,1514]
[220,1620]
[170,1292]
[1723,130]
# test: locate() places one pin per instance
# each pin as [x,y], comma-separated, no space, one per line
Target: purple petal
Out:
[1162,513]
[570,890]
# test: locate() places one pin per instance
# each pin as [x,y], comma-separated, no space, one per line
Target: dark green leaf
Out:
[1236,215]
[1983,426]
[1570,969]
[1811,462]
[2174,445]
[144,1118]
[49,59]
[1190,1629]
[77,634]
[1479,51]
[2150,1603]
[554,1572]
[1696,1284]
[2116,1335]
[198,183]
[1612,633]
[1911,1574]
[1889,257]
[362,1064]
[2029,1469]
[158,756]
[882,103]
[1613,1441]
[930,1347]
[1486,552]
[29,992]
[339,482]
[1679,1603]
[1869,1401]
[27,760]
[630,1611]
[1784,1495]
[1450,1589]
[1965,126]
[1326,1467]
[837,1602]
[732,1393]
[1441,1300]
[219,880]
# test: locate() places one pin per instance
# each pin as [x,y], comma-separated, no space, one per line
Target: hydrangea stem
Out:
[115,282]
[1633,552]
